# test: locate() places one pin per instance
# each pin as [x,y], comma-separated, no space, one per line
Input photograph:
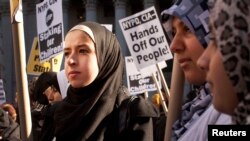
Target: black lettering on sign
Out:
[136,21]
[38,68]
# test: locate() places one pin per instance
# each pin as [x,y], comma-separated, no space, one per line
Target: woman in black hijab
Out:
[94,67]
[44,93]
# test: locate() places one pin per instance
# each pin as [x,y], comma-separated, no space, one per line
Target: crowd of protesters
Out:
[214,56]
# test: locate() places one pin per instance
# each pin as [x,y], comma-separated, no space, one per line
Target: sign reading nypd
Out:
[49,28]
[145,38]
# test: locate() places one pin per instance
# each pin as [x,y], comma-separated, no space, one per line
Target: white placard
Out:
[137,83]
[145,38]
[49,28]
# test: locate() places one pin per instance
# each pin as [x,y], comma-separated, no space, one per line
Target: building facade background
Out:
[74,11]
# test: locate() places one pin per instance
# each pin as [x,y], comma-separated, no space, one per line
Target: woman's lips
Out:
[184,61]
[73,74]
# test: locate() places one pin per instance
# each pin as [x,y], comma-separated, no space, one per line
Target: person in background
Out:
[47,89]
[227,59]
[31,86]
[10,109]
[185,23]
[159,122]
[9,129]
[44,93]
[94,66]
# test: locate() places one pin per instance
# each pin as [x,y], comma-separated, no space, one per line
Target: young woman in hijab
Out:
[186,26]
[94,66]
[227,58]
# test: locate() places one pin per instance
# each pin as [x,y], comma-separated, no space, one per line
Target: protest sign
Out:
[2,92]
[138,83]
[49,28]
[145,38]
[35,67]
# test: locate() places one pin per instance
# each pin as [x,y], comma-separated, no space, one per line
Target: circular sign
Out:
[49,17]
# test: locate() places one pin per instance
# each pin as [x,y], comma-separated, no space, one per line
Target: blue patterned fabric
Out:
[194,13]
[191,111]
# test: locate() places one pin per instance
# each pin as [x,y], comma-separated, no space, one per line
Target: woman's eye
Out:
[83,51]
[173,32]
[212,41]
[66,54]
[211,37]
[187,30]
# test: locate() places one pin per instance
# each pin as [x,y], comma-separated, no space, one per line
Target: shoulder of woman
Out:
[140,107]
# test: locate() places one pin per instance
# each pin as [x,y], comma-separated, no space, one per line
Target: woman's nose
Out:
[177,45]
[71,60]
[51,96]
[203,61]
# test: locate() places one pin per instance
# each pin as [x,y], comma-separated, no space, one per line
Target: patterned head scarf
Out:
[194,14]
[230,23]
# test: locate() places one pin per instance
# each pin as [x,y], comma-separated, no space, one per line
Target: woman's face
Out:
[187,49]
[224,96]
[80,64]
[52,94]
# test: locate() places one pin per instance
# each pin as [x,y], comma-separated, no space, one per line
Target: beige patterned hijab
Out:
[230,22]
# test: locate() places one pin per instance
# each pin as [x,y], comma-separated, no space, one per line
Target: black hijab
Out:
[85,113]
[44,81]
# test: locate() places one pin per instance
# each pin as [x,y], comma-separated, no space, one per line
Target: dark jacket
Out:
[91,113]
[132,120]
[9,129]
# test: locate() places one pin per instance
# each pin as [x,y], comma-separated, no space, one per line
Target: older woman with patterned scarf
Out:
[186,24]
